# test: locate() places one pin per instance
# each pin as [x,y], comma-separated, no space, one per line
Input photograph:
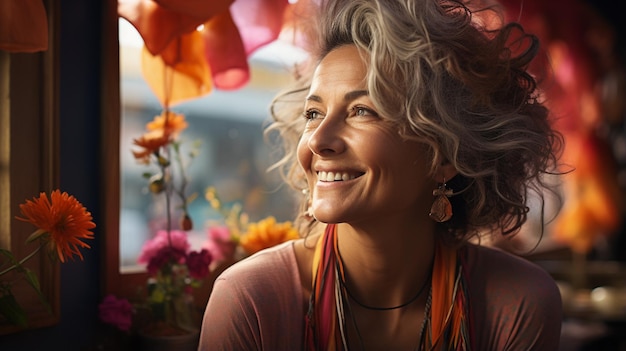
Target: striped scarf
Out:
[446,325]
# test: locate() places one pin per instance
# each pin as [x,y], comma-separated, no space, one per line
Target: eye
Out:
[311,114]
[362,111]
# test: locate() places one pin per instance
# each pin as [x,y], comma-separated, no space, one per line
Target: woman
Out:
[418,130]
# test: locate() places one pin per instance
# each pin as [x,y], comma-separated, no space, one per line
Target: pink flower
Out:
[219,243]
[117,312]
[198,263]
[164,256]
[152,247]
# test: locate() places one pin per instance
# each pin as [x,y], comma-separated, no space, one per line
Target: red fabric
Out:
[321,321]
[228,35]
[580,46]
[23,26]
[160,21]
[224,52]
[448,319]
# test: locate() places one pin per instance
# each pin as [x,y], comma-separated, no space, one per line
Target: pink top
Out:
[259,304]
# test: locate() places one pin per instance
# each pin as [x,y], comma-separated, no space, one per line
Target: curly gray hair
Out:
[442,72]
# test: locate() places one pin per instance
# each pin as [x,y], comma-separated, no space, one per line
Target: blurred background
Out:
[584,247]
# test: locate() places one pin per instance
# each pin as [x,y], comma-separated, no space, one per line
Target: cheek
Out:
[303,153]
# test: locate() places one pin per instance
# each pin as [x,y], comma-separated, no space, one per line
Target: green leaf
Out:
[11,310]
[7,253]
[10,257]
[31,278]
[146,175]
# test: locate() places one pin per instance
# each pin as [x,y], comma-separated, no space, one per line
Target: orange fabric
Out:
[322,319]
[581,48]
[160,22]
[194,65]
[23,26]
[186,78]
[449,326]
[447,320]
[443,282]
[593,201]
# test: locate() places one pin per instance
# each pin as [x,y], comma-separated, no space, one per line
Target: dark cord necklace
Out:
[402,305]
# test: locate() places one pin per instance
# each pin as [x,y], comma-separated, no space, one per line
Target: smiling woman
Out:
[416,127]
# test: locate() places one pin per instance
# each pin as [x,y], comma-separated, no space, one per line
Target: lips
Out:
[324,176]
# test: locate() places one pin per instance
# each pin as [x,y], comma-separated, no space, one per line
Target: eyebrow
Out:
[348,97]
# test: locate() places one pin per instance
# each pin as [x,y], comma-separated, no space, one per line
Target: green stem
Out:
[22,261]
[168,212]
[183,180]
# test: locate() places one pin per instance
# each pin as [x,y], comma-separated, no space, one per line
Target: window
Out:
[233,154]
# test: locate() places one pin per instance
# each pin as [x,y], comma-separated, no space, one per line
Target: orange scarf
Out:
[446,328]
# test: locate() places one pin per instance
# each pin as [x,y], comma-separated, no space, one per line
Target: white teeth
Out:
[334,176]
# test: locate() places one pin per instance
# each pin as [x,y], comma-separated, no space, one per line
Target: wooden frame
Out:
[29,164]
[115,282]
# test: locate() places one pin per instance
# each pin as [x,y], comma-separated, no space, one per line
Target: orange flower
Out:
[63,219]
[267,233]
[169,122]
[150,144]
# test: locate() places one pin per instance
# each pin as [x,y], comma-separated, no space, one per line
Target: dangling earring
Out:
[308,212]
[441,210]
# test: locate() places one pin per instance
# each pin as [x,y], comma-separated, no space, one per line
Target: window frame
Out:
[115,282]
[29,164]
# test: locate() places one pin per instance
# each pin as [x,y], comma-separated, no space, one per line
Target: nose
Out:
[327,138]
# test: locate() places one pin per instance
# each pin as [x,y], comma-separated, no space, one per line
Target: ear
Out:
[445,171]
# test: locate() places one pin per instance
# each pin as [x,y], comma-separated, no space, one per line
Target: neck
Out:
[385,268]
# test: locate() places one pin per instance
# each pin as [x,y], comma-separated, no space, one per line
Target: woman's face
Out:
[356,164]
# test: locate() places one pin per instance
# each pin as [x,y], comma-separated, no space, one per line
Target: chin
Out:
[325,217]
[334,217]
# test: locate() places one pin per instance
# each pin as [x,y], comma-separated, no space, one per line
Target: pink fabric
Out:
[259,303]
[259,21]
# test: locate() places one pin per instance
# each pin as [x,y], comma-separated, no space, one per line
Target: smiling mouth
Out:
[323,176]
